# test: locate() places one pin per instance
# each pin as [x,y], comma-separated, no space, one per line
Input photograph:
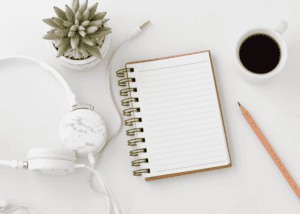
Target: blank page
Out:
[180,112]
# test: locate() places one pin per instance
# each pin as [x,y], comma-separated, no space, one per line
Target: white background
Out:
[32,105]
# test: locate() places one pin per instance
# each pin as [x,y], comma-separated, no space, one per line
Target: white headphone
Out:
[82,130]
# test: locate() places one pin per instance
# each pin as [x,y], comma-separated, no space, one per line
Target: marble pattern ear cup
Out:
[51,153]
[51,161]
[83,131]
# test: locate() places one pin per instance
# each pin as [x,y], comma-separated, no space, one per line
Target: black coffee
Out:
[259,53]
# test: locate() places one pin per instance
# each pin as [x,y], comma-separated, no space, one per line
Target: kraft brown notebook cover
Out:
[175,116]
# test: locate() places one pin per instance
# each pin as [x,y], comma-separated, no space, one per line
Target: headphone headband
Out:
[71,98]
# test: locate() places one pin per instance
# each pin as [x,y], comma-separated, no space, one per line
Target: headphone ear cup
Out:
[51,161]
[83,131]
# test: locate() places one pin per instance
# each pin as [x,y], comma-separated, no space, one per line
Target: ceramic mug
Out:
[276,35]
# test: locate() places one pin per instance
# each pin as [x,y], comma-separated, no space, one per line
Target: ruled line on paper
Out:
[181,99]
[189,166]
[186,149]
[174,89]
[145,87]
[194,125]
[189,160]
[181,121]
[173,66]
[183,132]
[186,143]
[182,115]
[185,138]
[188,155]
[173,105]
[187,92]
[178,110]
[175,78]
[172,72]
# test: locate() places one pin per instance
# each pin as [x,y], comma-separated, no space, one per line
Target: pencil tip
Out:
[239,103]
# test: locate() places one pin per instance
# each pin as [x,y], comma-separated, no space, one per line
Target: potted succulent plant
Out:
[78,36]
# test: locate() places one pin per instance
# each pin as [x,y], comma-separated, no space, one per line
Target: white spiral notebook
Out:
[176,119]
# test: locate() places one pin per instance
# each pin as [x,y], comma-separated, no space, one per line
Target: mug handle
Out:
[281,27]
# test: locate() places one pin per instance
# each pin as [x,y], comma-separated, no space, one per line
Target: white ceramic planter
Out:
[85,63]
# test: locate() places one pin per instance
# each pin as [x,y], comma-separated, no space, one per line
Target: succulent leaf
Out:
[78,15]
[93,9]
[105,29]
[75,6]
[58,21]
[74,41]
[51,23]
[51,36]
[85,23]
[61,32]
[62,42]
[62,49]
[94,51]
[81,28]
[83,6]
[52,31]
[96,23]
[73,28]
[72,4]
[87,41]
[99,34]
[60,13]
[82,33]
[104,20]
[85,15]
[70,15]
[71,33]
[67,24]
[91,29]
[99,16]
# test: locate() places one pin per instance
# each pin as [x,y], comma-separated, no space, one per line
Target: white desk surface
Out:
[30,111]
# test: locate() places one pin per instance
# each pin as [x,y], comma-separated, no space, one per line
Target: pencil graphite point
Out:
[239,103]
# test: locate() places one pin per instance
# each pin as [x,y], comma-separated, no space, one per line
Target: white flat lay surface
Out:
[33,104]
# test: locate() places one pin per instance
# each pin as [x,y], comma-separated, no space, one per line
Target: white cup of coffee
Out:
[261,53]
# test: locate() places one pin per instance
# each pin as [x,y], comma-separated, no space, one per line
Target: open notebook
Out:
[177,126]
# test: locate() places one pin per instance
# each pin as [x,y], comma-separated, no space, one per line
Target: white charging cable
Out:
[9,207]
[109,196]
[133,34]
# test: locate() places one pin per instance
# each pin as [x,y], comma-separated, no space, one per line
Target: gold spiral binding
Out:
[129,122]
[137,151]
[127,112]
[139,172]
[124,92]
[126,101]
[131,132]
[133,142]
[121,72]
[123,82]
[139,161]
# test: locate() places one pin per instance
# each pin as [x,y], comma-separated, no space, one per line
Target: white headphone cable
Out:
[12,207]
[91,158]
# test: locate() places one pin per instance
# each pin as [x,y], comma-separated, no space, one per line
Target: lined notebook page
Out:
[180,114]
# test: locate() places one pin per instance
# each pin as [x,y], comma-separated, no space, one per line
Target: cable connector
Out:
[91,159]
[137,31]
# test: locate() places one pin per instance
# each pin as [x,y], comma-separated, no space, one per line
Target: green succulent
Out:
[80,30]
